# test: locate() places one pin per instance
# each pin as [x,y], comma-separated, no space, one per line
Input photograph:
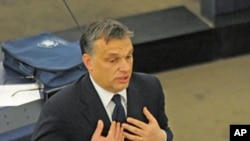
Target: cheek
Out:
[104,71]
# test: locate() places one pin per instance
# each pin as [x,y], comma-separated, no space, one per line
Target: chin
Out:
[121,87]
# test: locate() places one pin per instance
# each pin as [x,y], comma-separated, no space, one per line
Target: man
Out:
[86,110]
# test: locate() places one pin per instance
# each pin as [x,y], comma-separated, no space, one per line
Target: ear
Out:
[86,58]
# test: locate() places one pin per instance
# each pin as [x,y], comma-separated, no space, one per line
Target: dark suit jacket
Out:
[72,113]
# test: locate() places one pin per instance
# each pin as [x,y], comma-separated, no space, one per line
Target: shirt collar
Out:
[106,96]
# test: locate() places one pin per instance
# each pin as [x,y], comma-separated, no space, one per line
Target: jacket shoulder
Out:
[143,77]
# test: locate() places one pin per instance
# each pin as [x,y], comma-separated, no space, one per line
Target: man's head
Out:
[108,54]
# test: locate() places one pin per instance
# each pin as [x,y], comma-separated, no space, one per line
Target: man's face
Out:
[111,63]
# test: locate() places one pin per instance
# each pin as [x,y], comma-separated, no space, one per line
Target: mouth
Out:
[124,79]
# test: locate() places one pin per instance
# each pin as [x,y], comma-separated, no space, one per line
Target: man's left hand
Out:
[141,131]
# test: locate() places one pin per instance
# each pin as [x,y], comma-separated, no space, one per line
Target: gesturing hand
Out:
[150,131]
[115,132]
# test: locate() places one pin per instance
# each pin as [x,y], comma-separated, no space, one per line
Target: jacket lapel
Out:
[136,101]
[93,109]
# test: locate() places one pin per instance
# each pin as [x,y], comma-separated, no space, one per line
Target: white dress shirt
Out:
[109,105]
[106,97]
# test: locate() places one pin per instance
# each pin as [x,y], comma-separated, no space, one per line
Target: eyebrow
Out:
[114,54]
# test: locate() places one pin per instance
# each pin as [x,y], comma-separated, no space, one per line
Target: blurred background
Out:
[28,17]
[204,96]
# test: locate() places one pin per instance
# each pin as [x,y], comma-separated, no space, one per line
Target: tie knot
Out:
[116,99]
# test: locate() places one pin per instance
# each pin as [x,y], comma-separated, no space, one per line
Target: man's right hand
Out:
[115,132]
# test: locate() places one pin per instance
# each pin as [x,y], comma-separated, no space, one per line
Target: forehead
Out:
[113,46]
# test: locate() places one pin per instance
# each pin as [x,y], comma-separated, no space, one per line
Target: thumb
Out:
[148,115]
[99,128]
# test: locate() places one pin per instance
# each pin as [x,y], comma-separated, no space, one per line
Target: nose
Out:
[125,65]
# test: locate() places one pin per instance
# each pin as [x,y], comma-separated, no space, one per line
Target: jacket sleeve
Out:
[48,128]
[162,115]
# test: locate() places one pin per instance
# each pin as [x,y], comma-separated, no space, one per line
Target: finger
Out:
[132,129]
[122,136]
[99,128]
[131,136]
[119,132]
[136,122]
[148,115]
[112,129]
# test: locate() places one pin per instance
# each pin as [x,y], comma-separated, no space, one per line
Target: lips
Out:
[123,79]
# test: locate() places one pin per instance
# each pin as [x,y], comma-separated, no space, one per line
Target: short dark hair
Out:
[107,28]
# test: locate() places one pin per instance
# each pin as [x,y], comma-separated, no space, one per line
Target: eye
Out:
[129,57]
[112,60]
